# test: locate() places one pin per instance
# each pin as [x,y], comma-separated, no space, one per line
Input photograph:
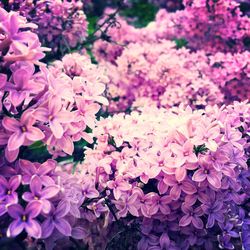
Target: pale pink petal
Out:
[15,141]
[34,134]
[56,128]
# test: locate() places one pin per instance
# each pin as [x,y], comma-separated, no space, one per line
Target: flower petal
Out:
[47,228]
[185,220]
[15,228]
[11,124]
[15,211]
[15,141]
[62,209]
[33,228]
[49,192]
[56,128]
[33,209]
[63,226]
[34,134]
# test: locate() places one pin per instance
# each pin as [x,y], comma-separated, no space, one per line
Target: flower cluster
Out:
[170,170]
[122,34]
[164,74]
[232,73]
[208,25]
[55,107]
[61,24]
[46,202]
[182,167]
[48,107]
[212,26]
[41,105]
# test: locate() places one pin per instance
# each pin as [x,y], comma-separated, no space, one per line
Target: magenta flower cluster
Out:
[150,147]
[161,75]
[53,107]
[182,168]
[150,68]
[61,24]
[47,106]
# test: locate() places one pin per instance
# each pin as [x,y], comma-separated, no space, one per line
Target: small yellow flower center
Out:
[9,192]
[24,129]
[36,198]
[50,117]
[24,218]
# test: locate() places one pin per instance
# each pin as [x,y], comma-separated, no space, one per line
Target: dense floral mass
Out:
[125,131]
[61,24]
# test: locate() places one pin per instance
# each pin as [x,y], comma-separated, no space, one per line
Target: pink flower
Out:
[22,86]
[55,115]
[86,112]
[187,186]
[185,151]
[208,135]
[207,172]
[119,185]
[128,204]
[22,131]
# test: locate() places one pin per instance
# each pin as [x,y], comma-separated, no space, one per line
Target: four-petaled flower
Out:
[23,131]
[41,194]
[55,219]
[24,219]
[8,194]
[207,172]
[192,216]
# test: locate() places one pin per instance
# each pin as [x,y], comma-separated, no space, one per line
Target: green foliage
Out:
[180,43]
[141,13]
[92,21]
[35,152]
[201,149]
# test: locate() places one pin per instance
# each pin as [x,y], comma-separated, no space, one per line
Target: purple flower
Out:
[22,131]
[187,186]
[119,186]
[227,230]
[160,203]
[128,203]
[147,241]
[225,242]
[23,87]
[29,169]
[24,219]
[37,193]
[98,207]
[165,243]
[215,212]
[7,191]
[55,219]
[206,172]
[89,191]
[191,216]
[194,235]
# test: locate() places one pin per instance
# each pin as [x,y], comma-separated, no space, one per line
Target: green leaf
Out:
[92,20]
[180,43]
[141,13]
[201,149]
[36,145]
